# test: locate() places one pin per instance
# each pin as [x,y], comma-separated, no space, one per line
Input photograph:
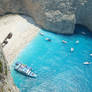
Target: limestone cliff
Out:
[55,15]
[6,82]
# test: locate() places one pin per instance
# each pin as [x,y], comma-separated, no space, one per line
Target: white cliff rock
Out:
[58,16]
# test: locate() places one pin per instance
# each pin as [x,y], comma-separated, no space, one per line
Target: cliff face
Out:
[56,15]
[6,82]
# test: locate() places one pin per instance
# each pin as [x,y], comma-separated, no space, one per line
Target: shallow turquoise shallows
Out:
[58,69]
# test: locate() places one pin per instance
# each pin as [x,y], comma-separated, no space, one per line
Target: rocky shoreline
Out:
[6,82]
[58,16]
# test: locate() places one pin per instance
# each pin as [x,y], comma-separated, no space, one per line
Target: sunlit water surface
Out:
[58,69]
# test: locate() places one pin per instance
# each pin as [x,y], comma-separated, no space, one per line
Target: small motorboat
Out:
[24,69]
[47,39]
[91,54]
[84,33]
[77,41]
[72,49]
[63,41]
[42,34]
[86,63]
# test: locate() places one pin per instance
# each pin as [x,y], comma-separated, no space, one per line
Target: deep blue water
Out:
[57,68]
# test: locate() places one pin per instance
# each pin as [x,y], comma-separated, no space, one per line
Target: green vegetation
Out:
[1,70]
[1,89]
[9,89]
[6,70]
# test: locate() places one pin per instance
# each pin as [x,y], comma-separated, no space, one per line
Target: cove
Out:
[57,68]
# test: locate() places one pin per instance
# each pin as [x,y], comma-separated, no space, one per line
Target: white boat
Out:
[42,34]
[64,41]
[77,41]
[25,70]
[90,54]
[84,33]
[47,39]
[86,63]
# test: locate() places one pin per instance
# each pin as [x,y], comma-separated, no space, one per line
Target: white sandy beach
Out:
[23,30]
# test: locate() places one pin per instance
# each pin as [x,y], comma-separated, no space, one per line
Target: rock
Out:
[51,16]
[6,82]
[58,16]
[84,13]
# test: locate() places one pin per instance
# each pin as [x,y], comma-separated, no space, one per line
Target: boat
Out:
[91,54]
[64,41]
[84,33]
[24,69]
[86,63]
[72,49]
[47,39]
[42,34]
[77,41]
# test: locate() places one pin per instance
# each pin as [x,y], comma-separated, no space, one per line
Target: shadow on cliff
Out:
[81,29]
[78,27]
[29,19]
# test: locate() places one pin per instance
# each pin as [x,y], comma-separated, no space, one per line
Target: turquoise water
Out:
[58,69]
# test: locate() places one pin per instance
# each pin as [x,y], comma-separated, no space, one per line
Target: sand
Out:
[23,29]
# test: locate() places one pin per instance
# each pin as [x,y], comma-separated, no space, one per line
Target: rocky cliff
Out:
[6,82]
[55,15]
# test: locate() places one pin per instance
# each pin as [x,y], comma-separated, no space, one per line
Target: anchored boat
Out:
[24,69]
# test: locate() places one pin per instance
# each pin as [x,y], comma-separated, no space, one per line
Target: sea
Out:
[57,68]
